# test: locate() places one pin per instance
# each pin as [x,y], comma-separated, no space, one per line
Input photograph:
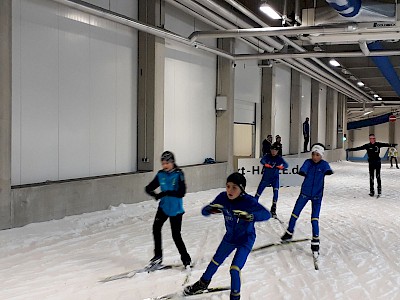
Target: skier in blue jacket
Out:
[171,180]
[240,211]
[272,164]
[314,171]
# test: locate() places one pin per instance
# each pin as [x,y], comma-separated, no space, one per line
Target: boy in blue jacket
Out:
[172,183]
[314,171]
[240,211]
[272,164]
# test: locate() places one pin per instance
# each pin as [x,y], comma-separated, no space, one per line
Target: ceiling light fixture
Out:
[379,98]
[376,96]
[367,113]
[360,83]
[269,11]
[334,62]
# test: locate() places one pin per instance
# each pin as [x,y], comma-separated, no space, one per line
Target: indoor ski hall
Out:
[241,149]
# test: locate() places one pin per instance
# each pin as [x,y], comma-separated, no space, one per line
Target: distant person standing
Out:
[374,161]
[306,134]
[266,145]
[393,155]
[278,144]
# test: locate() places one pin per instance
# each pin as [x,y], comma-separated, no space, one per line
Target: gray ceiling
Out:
[352,68]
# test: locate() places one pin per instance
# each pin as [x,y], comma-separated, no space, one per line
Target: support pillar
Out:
[314,132]
[150,87]
[5,113]
[267,120]
[296,136]
[225,119]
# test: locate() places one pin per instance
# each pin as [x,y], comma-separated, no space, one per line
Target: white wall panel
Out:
[382,135]
[189,93]
[282,80]
[322,114]
[244,112]
[74,114]
[74,94]
[360,138]
[39,91]
[102,103]
[189,104]
[126,128]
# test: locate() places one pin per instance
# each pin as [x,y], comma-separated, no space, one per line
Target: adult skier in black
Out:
[374,161]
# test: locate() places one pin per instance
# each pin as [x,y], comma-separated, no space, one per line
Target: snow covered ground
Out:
[360,249]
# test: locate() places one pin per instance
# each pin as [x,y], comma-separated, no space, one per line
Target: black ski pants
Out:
[391,161]
[306,140]
[176,225]
[375,167]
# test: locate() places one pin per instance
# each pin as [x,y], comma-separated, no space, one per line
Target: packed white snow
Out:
[360,248]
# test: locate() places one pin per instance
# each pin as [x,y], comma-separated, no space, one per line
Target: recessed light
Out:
[334,62]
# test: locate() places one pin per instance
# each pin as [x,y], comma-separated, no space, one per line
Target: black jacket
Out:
[372,150]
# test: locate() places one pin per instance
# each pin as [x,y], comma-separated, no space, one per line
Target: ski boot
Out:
[315,245]
[372,193]
[156,260]
[273,210]
[186,260]
[196,288]
[287,236]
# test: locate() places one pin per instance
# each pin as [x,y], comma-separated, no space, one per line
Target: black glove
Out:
[160,195]
[301,173]
[244,215]
[214,208]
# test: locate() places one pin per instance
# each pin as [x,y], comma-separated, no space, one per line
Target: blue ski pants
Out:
[315,209]
[223,251]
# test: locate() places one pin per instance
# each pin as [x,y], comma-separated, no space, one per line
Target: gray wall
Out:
[57,200]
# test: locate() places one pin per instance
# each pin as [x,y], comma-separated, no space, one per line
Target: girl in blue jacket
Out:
[240,211]
[272,164]
[172,184]
[314,171]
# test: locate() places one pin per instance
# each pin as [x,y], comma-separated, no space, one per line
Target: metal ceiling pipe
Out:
[271,31]
[208,22]
[315,54]
[213,6]
[287,41]
[346,8]
[109,15]
[201,11]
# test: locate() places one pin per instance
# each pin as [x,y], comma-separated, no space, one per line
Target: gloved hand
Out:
[244,215]
[268,166]
[160,195]
[281,167]
[215,208]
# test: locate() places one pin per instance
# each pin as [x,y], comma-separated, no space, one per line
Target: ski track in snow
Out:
[360,248]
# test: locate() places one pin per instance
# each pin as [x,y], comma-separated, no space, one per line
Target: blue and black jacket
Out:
[238,231]
[271,175]
[173,189]
[314,175]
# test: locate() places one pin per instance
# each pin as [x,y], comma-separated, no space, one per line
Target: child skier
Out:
[172,183]
[314,171]
[393,155]
[272,164]
[240,211]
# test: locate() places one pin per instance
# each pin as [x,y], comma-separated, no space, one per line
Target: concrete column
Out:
[392,132]
[340,120]
[314,130]
[296,134]
[225,119]
[267,119]
[331,119]
[5,113]
[150,88]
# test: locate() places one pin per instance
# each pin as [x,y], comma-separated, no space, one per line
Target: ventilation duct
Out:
[385,66]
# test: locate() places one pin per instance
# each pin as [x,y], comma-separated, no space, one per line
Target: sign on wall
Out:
[252,169]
